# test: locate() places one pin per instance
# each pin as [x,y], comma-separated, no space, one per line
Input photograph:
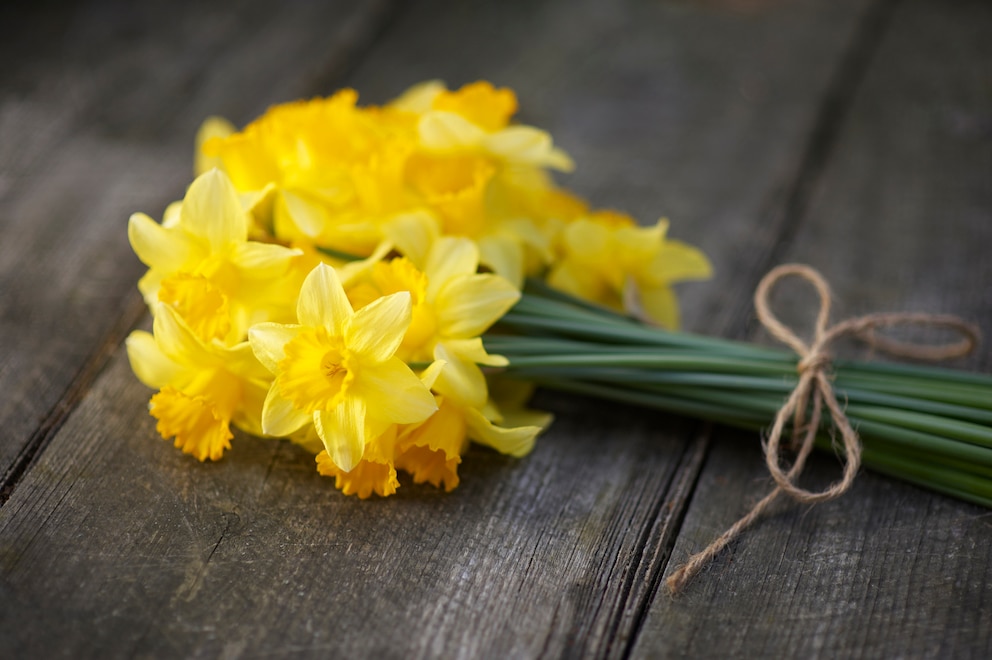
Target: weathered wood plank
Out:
[900,221]
[114,543]
[98,106]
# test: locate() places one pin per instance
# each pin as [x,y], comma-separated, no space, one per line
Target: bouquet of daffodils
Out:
[385,285]
[330,273]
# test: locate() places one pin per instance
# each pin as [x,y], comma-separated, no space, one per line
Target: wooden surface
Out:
[856,136]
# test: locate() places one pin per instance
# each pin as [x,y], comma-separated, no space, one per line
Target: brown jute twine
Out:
[814,384]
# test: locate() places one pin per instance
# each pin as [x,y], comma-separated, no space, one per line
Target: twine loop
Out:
[814,387]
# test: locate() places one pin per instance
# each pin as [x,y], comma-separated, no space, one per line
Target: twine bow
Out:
[814,367]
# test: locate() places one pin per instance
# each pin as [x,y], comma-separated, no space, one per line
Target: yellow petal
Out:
[504,256]
[526,144]
[212,128]
[268,342]
[212,211]
[307,216]
[472,350]
[178,342]
[449,256]
[413,234]
[658,304]
[259,202]
[349,272]
[467,306]
[588,241]
[393,392]
[429,375]
[343,432]
[156,246]
[322,301]
[170,217]
[262,261]
[248,416]
[418,99]
[377,329]
[240,360]
[446,131]
[677,261]
[279,417]
[517,441]
[460,380]
[149,363]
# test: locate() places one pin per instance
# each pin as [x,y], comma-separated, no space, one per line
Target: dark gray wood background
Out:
[852,135]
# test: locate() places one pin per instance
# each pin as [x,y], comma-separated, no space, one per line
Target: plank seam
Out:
[823,136]
[133,310]
[682,485]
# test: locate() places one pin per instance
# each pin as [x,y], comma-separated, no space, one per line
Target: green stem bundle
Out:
[922,424]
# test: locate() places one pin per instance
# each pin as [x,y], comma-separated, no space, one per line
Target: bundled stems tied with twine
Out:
[814,387]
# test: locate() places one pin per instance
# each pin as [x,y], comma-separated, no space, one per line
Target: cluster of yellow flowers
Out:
[331,271]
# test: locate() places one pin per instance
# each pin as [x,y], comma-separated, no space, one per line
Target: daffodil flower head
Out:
[323,171]
[203,386]
[607,258]
[451,306]
[203,265]
[338,369]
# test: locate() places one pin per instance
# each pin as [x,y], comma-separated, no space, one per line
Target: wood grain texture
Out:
[98,108]
[115,544]
[118,544]
[899,221]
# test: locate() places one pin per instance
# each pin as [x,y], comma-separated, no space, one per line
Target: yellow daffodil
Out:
[476,118]
[322,172]
[337,369]
[605,257]
[203,386]
[473,169]
[452,305]
[202,264]
[328,250]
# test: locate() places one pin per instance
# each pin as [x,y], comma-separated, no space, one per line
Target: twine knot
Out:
[814,391]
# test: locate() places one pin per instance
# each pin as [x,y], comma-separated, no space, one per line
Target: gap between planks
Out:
[788,213]
[823,135]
